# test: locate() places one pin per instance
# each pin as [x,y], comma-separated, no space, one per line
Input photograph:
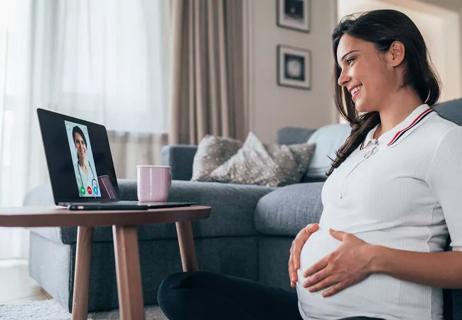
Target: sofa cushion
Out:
[328,140]
[286,210]
[232,211]
[233,206]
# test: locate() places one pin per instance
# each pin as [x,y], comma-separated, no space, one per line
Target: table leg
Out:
[82,273]
[186,244]
[127,258]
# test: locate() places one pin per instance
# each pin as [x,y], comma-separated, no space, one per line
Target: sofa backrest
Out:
[293,135]
[451,110]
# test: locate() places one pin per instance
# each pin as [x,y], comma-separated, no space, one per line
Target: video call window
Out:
[86,176]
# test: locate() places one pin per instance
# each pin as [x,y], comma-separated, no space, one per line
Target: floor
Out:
[17,286]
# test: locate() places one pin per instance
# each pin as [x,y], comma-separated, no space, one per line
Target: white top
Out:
[87,180]
[402,191]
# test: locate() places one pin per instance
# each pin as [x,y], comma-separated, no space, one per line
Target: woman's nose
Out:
[343,78]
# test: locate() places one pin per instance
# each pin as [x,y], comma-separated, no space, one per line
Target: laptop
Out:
[69,142]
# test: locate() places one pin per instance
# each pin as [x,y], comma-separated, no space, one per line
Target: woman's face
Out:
[366,75]
[80,146]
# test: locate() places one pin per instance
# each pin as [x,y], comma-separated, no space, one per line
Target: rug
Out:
[51,310]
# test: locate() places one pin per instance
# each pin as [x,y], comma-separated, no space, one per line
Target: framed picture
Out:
[294,67]
[294,14]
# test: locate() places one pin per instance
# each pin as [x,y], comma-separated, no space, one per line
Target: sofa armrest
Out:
[286,210]
[180,158]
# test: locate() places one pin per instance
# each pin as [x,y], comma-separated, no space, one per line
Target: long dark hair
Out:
[382,27]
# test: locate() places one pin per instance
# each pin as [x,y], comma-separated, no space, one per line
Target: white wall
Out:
[271,106]
[454,6]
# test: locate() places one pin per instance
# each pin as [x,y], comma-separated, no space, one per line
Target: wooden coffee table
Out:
[124,227]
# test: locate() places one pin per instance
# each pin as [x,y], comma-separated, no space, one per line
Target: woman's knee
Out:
[174,288]
[168,295]
[181,295]
[170,285]
[184,280]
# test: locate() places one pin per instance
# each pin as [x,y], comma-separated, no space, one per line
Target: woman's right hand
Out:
[296,248]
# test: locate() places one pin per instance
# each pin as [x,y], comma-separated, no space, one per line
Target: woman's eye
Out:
[349,61]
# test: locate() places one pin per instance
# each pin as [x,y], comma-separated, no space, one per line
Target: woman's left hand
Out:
[347,265]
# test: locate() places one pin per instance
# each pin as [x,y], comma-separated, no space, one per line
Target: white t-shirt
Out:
[402,191]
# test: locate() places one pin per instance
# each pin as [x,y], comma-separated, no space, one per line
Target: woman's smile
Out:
[355,92]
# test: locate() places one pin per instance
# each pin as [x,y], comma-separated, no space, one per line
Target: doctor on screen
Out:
[86,175]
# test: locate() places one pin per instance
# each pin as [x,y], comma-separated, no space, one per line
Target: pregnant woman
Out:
[392,198]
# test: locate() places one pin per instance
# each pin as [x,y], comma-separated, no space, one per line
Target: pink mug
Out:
[153,183]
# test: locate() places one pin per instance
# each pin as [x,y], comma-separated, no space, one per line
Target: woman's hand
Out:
[347,265]
[296,249]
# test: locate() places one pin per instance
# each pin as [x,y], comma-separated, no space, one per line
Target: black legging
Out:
[209,296]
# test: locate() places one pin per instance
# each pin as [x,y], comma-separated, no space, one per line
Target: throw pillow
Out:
[328,140]
[212,152]
[272,166]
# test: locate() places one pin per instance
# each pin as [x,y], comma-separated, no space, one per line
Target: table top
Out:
[62,217]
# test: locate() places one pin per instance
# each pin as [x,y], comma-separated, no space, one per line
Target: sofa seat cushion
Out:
[233,207]
[286,210]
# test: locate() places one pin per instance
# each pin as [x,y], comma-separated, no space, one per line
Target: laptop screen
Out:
[78,157]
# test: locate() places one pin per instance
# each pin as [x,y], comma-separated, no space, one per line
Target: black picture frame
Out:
[293,14]
[294,67]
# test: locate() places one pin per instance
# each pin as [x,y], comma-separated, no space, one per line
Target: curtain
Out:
[131,149]
[207,70]
[104,61]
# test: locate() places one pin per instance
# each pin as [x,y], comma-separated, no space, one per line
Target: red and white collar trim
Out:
[392,136]
[418,119]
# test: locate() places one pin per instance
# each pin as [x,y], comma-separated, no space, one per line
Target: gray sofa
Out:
[248,233]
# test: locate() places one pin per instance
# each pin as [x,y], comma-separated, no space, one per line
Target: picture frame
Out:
[293,14]
[294,67]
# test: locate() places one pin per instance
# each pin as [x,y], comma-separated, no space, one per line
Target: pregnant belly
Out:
[365,297]
[320,244]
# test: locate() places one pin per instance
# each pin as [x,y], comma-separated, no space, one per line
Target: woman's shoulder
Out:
[439,121]
[441,139]
[446,148]
[437,129]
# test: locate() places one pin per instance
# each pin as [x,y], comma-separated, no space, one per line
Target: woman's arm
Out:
[355,259]
[436,269]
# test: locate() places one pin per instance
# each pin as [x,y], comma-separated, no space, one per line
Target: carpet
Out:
[51,310]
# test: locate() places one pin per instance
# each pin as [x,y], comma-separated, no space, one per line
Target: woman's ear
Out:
[396,53]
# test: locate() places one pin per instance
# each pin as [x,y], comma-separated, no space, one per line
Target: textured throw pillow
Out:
[272,166]
[212,152]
